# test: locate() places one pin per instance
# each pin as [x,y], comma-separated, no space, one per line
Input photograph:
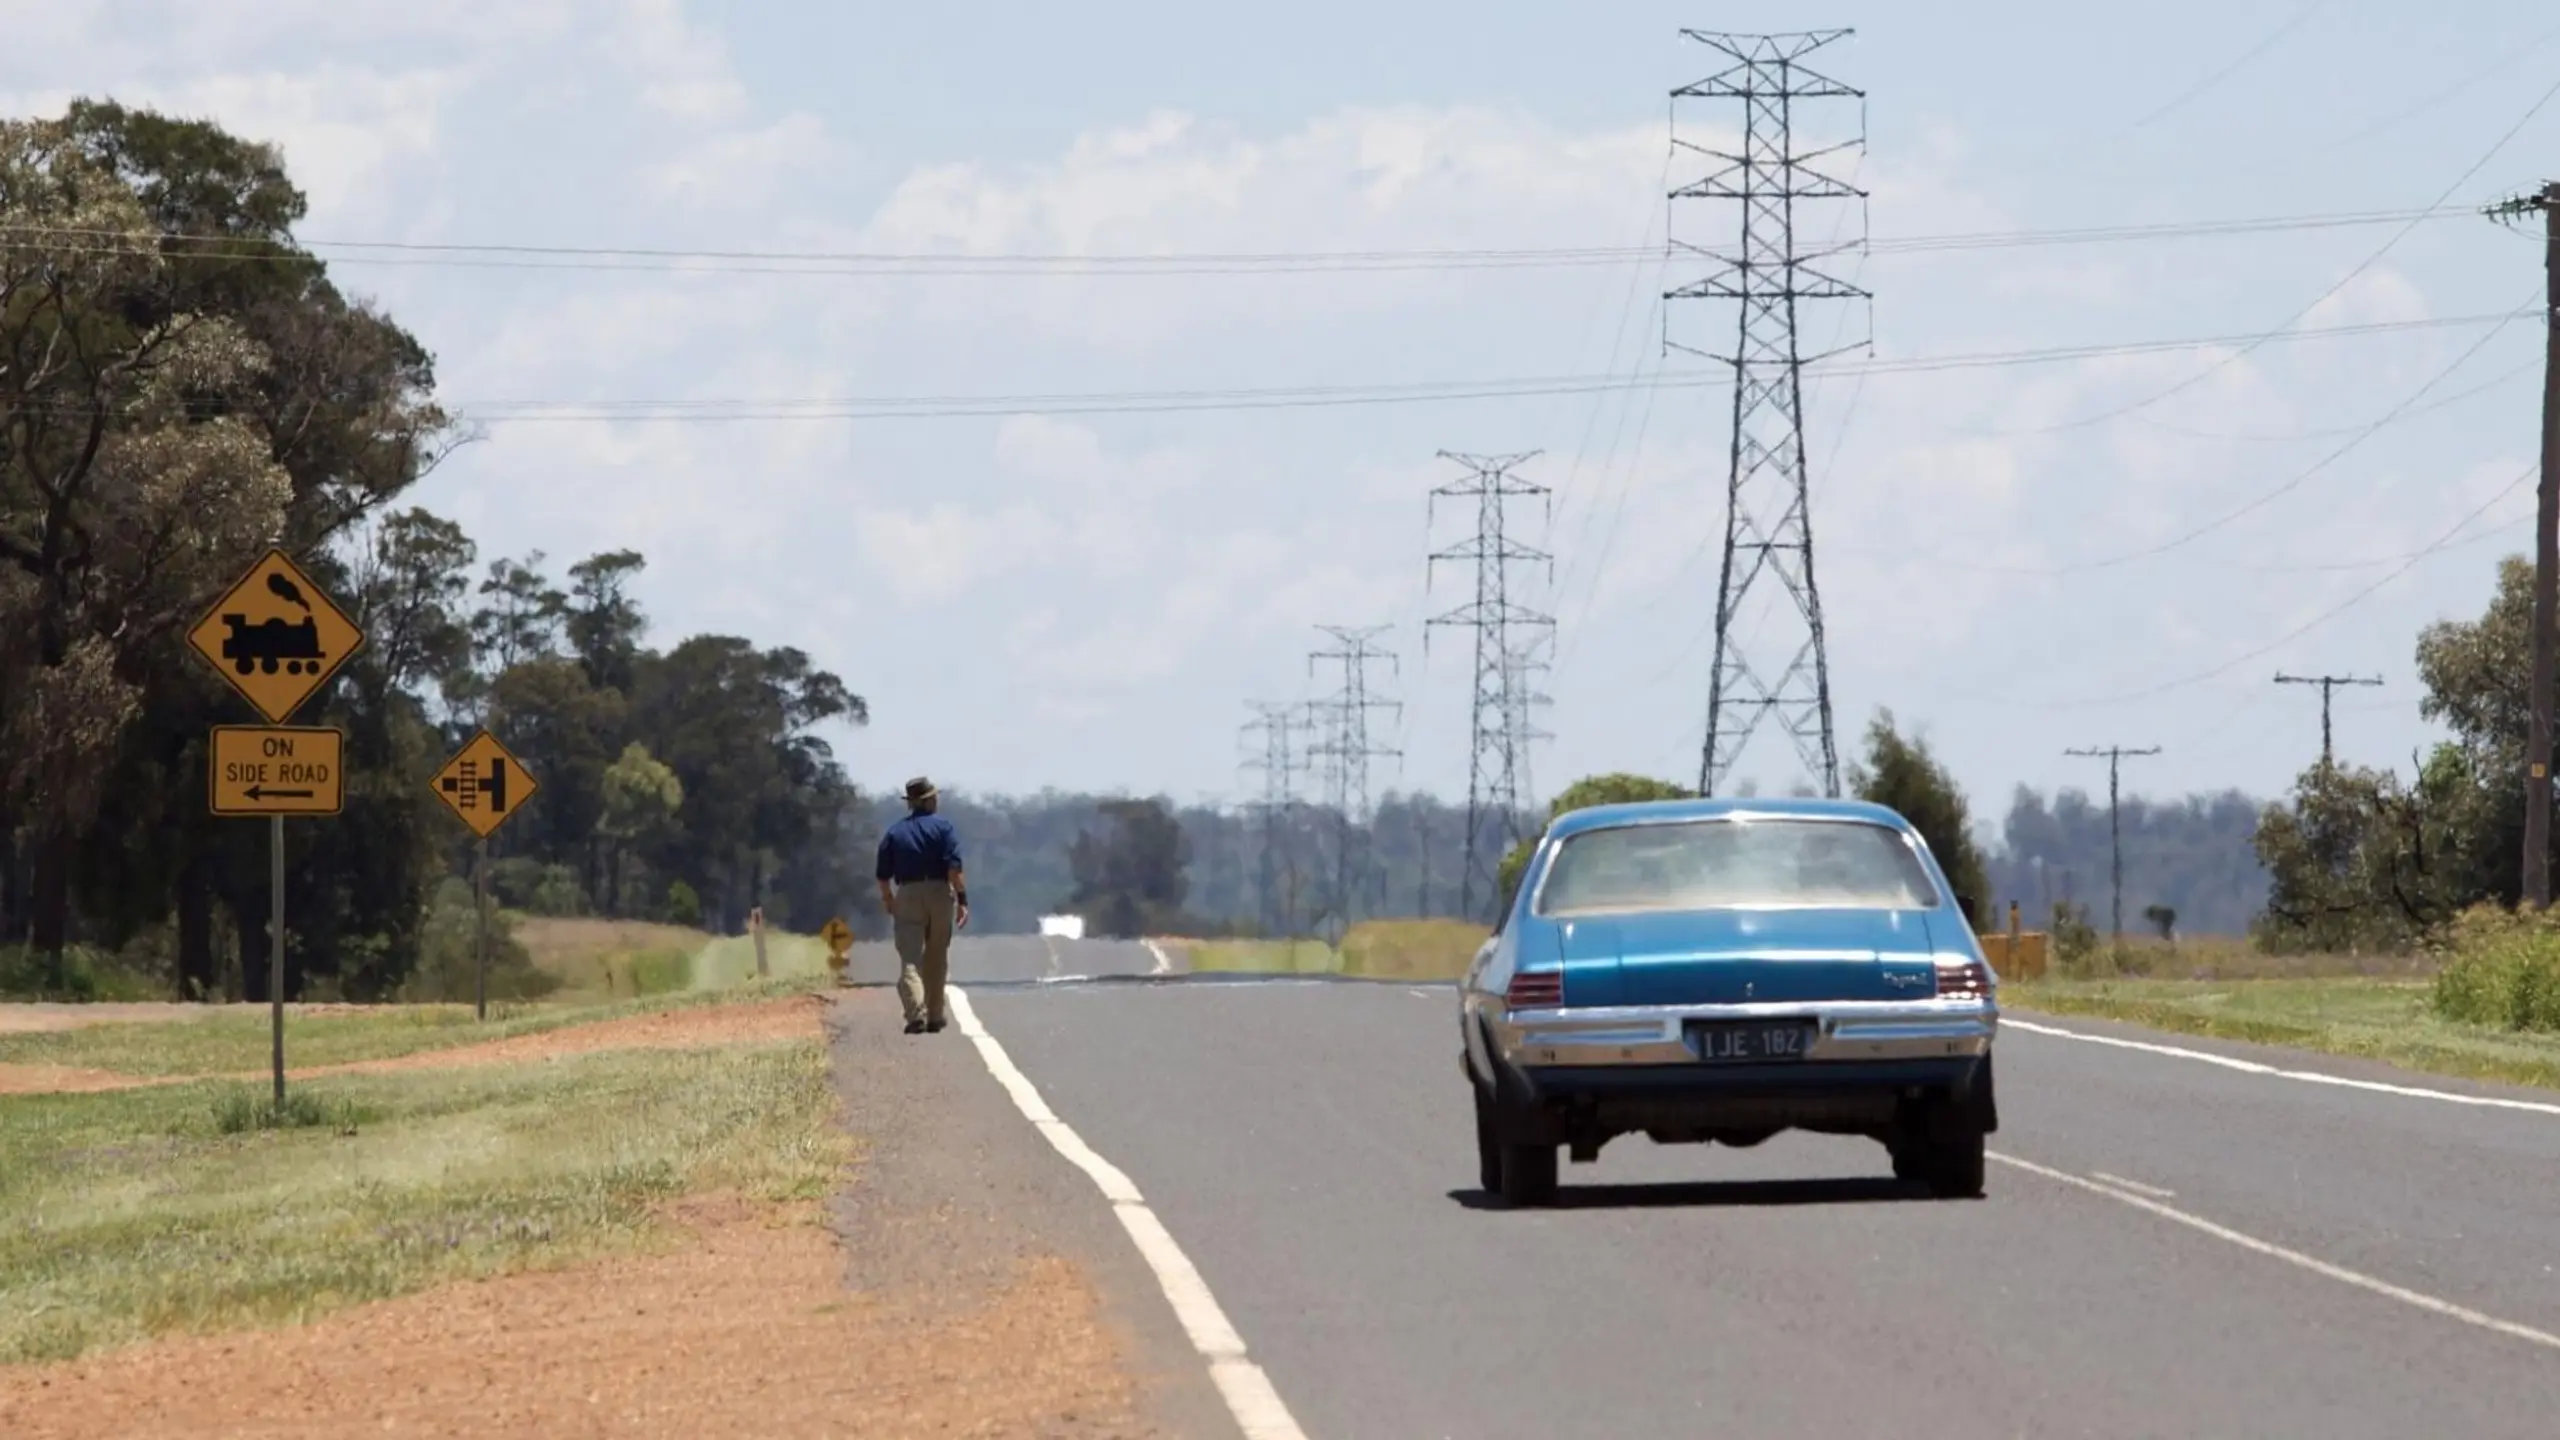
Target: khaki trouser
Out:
[925,912]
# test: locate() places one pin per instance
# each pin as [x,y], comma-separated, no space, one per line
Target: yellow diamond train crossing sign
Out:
[276,637]
[275,770]
[484,784]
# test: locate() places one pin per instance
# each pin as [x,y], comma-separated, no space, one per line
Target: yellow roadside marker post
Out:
[839,938]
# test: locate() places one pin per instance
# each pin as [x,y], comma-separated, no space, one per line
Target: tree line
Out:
[182,387]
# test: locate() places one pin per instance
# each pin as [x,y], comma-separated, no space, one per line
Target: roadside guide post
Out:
[755,927]
[839,938]
[484,786]
[277,638]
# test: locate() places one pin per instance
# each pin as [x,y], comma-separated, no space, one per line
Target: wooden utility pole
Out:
[2546,555]
[2115,756]
[2326,683]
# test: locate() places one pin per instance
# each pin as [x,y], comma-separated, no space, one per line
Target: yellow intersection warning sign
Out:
[839,938]
[275,770]
[276,637]
[484,784]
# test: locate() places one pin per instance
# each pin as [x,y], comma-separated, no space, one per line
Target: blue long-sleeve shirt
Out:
[920,847]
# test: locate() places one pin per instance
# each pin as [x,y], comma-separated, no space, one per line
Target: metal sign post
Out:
[480,928]
[276,637]
[275,947]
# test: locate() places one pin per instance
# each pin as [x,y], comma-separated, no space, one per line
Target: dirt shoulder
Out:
[963,1280]
[958,1193]
[746,1330]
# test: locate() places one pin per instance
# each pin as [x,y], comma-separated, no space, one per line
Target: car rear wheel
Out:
[1488,1143]
[1954,1166]
[1528,1173]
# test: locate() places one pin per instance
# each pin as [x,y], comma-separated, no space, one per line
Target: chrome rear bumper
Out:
[1658,1035]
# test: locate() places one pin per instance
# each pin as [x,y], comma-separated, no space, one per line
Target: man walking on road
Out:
[926,895]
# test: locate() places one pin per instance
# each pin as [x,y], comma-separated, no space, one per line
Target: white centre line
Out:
[1164,962]
[1257,1407]
[2316,1266]
[2252,1067]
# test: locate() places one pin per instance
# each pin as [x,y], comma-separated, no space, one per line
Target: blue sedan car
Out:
[1723,970]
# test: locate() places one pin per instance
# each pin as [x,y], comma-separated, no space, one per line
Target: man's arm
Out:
[880,871]
[959,874]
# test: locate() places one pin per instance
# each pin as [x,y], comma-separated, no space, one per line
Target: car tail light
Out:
[1963,980]
[1535,990]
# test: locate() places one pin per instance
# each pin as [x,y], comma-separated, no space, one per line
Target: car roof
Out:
[1598,817]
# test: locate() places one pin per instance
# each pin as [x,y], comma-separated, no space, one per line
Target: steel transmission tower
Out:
[1768,524]
[1506,638]
[1343,744]
[1281,761]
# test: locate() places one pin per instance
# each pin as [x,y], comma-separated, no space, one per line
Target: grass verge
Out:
[139,1213]
[236,1040]
[2364,1017]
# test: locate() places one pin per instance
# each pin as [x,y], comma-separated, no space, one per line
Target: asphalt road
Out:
[1019,960]
[1308,1145]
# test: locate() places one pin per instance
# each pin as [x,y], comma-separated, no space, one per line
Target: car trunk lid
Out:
[1731,957]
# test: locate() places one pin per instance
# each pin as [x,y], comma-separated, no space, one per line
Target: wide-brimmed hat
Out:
[920,789]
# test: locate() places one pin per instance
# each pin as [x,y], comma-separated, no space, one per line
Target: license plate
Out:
[1752,1040]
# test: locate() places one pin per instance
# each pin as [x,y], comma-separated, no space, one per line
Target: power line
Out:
[2327,683]
[2443,542]
[2267,497]
[2403,233]
[1768,518]
[828,408]
[653,260]
[2115,756]
[1504,629]
[2229,69]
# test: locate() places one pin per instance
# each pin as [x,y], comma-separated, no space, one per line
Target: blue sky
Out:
[1088,600]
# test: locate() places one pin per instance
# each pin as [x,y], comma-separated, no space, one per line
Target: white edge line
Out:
[2136,1186]
[2310,1077]
[2338,1273]
[1164,962]
[1250,1396]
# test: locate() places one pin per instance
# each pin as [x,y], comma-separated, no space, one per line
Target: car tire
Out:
[1910,1160]
[1488,1143]
[1954,1166]
[1528,1174]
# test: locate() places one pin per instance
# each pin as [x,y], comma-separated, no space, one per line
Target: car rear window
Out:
[1729,864]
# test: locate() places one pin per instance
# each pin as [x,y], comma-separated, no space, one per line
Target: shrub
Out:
[684,907]
[2075,940]
[2500,968]
[448,953]
[238,1111]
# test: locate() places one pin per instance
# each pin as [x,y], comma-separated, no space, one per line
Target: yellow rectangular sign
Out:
[276,770]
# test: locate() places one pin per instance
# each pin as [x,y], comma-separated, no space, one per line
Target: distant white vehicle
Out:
[1066,927]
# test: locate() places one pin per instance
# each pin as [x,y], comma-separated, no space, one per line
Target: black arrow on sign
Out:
[260,792]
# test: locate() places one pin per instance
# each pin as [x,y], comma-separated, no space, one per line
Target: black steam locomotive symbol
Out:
[268,643]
